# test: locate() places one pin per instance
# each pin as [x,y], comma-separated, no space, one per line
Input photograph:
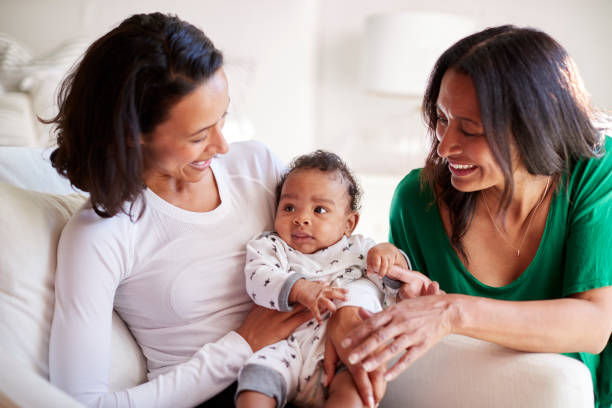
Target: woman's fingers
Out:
[365,314]
[379,385]
[406,275]
[369,336]
[410,290]
[363,384]
[330,358]
[407,358]
[379,359]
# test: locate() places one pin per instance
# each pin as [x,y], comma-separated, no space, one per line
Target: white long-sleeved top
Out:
[175,277]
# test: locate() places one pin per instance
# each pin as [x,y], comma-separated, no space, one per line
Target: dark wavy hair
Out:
[124,86]
[529,92]
[327,162]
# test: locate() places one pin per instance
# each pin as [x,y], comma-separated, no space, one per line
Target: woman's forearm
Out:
[560,325]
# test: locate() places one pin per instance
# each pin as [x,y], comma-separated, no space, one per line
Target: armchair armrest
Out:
[465,372]
[20,386]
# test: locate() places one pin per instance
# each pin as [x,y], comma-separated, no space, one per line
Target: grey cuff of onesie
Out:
[392,283]
[283,296]
[262,379]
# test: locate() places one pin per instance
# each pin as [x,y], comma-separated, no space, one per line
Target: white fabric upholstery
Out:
[16,120]
[31,222]
[458,372]
[463,372]
[34,82]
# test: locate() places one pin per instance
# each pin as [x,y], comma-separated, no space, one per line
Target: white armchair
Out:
[458,372]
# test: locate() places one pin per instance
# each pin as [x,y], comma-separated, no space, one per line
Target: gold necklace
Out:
[533,211]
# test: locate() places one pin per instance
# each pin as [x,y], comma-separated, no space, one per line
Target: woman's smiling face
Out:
[182,147]
[461,136]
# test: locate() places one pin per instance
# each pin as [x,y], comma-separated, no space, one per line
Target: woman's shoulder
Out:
[412,191]
[592,177]
[86,224]
[251,158]
[411,182]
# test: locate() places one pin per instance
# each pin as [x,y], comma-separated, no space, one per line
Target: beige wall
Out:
[383,134]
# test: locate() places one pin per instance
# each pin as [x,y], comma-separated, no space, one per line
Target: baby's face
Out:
[313,212]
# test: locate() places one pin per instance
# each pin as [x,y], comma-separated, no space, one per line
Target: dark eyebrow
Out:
[283,196]
[317,199]
[324,200]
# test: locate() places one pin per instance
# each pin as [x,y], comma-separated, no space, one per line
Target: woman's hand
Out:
[413,325]
[371,386]
[415,283]
[264,326]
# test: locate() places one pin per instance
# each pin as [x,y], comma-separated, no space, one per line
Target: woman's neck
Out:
[529,191]
[200,196]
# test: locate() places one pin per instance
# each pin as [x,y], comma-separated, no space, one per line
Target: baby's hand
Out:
[316,296]
[382,257]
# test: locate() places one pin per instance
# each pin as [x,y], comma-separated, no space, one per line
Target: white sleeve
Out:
[92,259]
[268,276]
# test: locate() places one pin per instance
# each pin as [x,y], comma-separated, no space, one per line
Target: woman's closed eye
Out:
[320,210]
[199,139]
[470,132]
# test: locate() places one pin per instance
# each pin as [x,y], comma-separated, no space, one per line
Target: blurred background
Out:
[343,75]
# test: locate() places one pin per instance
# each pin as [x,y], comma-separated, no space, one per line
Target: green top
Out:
[574,255]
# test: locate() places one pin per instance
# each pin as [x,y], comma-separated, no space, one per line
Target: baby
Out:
[312,259]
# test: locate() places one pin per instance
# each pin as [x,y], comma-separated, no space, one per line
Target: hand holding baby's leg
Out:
[343,392]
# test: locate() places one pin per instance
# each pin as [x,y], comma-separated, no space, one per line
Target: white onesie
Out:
[291,370]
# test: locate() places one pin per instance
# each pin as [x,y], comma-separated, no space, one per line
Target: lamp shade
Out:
[402,48]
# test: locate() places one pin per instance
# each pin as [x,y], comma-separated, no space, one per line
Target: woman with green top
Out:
[511,215]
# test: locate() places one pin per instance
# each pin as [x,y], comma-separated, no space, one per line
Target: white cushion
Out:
[31,223]
[463,372]
[16,120]
[13,57]
[30,168]
[42,77]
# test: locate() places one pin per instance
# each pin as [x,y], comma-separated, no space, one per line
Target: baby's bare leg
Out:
[343,392]
[248,399]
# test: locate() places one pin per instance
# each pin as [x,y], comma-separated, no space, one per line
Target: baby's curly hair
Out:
[327,162]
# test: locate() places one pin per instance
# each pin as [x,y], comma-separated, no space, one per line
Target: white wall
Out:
[271,43]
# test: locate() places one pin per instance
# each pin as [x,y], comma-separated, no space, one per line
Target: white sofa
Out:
[36,203]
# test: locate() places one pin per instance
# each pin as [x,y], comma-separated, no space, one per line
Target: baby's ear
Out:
[350,223]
